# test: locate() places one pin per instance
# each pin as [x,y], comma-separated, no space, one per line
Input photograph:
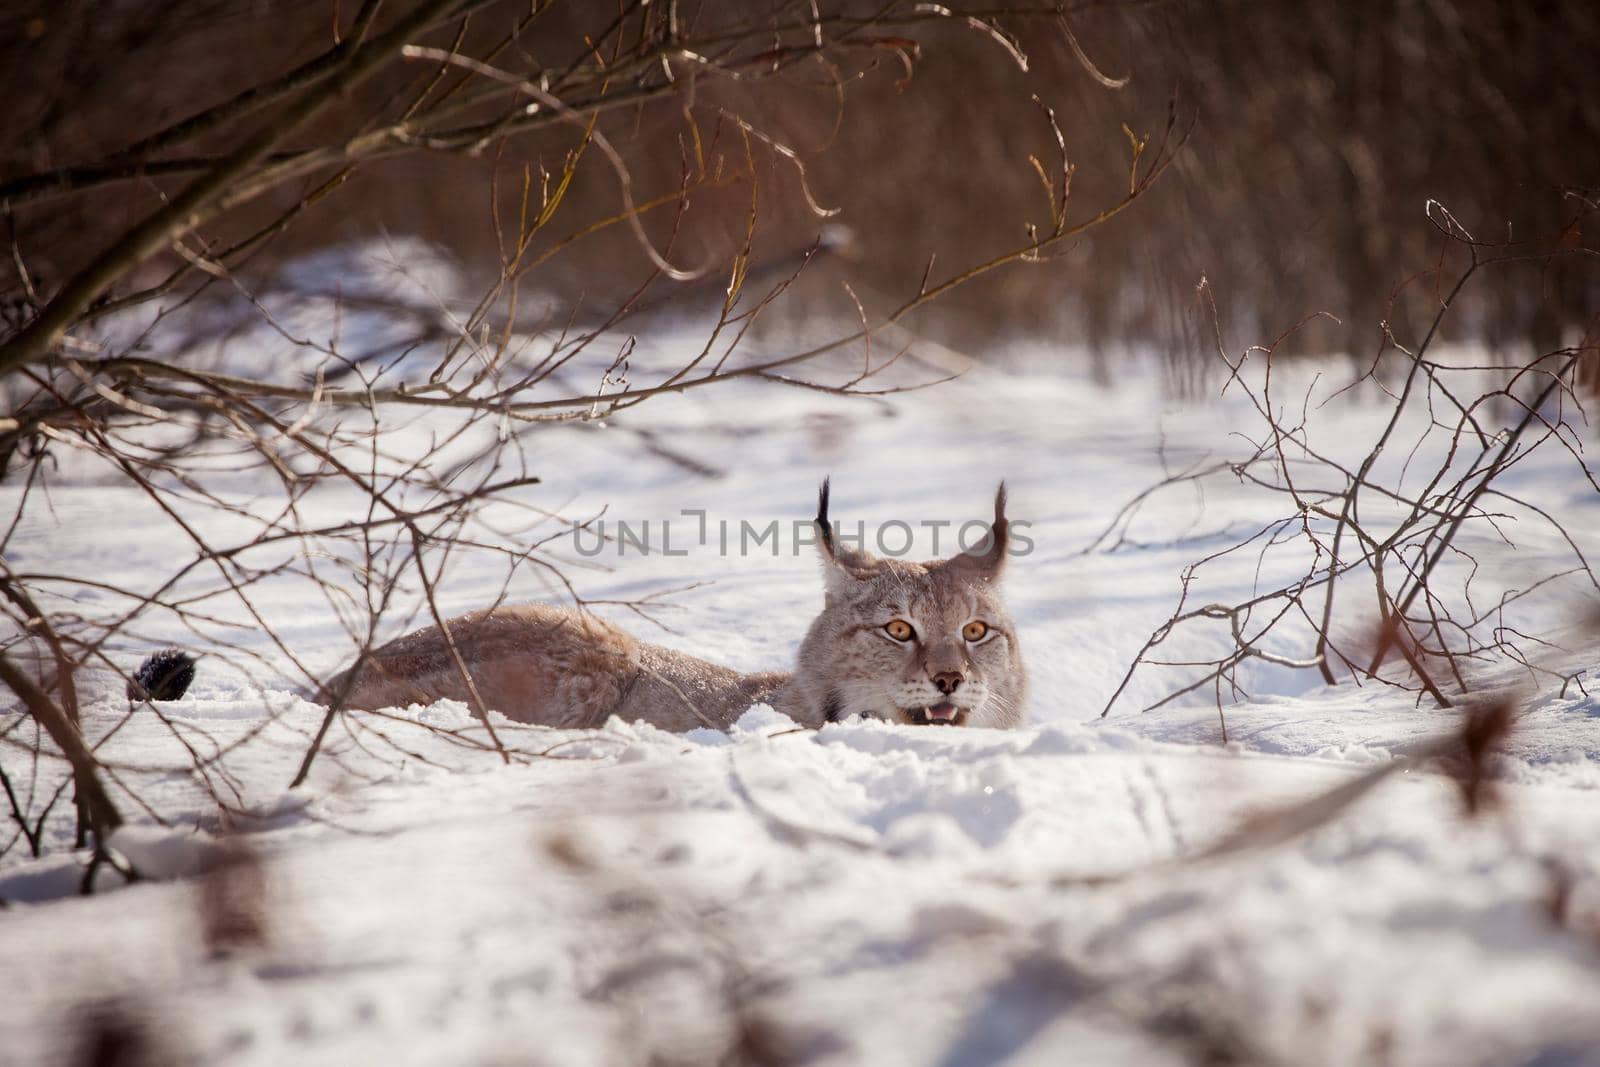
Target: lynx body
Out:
[923,643]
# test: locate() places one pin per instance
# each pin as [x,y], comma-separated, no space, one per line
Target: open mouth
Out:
[941,714]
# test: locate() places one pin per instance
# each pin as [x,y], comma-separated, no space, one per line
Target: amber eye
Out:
[975,630]
[899,629]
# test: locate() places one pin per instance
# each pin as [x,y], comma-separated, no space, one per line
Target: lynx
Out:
[917,643]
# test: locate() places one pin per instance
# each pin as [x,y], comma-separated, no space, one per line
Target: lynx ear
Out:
[988,559]
[841,568]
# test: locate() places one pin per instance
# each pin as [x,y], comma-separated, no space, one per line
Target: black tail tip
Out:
[166,675]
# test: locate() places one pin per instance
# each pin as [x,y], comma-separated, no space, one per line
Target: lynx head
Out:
[910,642]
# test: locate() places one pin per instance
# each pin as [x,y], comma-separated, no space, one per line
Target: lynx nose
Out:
[947,681]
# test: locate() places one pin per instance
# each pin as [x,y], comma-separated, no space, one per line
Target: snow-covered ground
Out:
[862,893]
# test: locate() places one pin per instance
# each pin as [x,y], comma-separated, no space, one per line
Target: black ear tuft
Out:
[824,530]
[166,675]
[1002,526]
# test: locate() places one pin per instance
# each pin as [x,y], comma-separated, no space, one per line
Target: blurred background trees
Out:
[1321,129]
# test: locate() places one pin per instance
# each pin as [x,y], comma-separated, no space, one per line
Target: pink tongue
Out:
[942,711]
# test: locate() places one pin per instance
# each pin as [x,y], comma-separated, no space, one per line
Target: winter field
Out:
[1132,888]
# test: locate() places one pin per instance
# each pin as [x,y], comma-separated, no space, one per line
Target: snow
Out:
[862,893]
